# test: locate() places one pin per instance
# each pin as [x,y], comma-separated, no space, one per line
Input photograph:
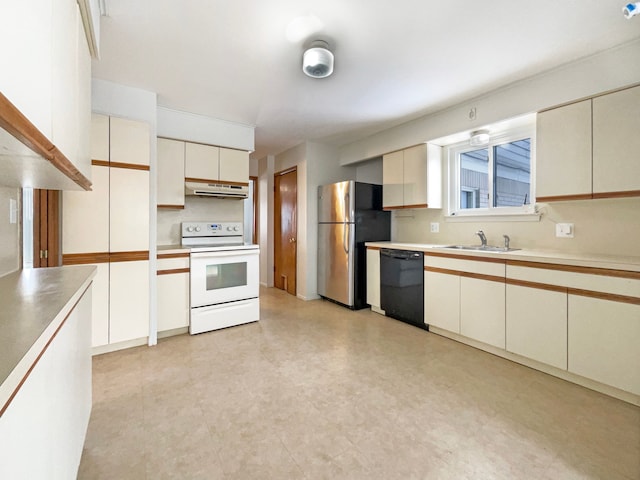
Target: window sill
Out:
[460,217]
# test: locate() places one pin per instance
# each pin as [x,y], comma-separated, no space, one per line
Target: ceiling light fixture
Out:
[317,60]
[479,138]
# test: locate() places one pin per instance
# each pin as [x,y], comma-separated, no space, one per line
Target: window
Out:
[492,180]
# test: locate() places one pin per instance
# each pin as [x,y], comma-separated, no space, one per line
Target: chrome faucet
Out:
[506,241]
[483,238]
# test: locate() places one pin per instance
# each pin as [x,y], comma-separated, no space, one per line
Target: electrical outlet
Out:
[472,113]
[13,211]
[435,227]
[564,230]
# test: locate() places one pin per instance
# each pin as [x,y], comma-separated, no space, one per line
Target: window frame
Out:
[455,213]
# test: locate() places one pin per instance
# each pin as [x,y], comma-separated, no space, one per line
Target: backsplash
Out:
[607,227]
[10,254]
[196,209]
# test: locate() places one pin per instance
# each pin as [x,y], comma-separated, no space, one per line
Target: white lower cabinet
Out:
[536,322]
[100,307]
[482,314]
[172,287]
[373,279]
[442,300]
[604,341]
[129,300]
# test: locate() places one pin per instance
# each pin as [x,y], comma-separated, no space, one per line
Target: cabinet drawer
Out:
[172,263]
[471,266]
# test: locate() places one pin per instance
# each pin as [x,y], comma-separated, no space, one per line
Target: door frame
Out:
[277,226]
[47,245]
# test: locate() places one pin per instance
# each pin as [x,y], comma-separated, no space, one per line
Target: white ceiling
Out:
[395,60]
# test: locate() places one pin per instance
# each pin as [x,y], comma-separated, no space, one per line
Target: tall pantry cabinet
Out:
[109,227]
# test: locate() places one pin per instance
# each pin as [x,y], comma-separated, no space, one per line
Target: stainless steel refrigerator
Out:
[349,214]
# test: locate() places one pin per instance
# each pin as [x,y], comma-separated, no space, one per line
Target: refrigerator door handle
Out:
[345,240]
[347,218]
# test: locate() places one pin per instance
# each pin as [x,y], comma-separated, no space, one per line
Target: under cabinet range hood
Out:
[216,190]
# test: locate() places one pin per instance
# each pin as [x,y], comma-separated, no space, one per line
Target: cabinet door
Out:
[170,172]
[234,166]
[129,210]
[129,141]
[173,301]
[85,215]
[537,324]
[128,300]
[415,176]
[392,180]
[563,151]
[83,82]
[100,306]
[201,161]
[25,56]
[603,341]
[373,278]
[64,45]
[616,142]
[99,137]
[482,315]
[442,300]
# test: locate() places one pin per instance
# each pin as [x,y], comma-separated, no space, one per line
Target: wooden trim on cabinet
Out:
[612,297]
[607,272]
[129,166]
[173,255]
[565,198]
[405,207]
[465,257]
[15,123]
[445,271]
[174,207]
[129,256]
[373,248]
[85,258]
[173,271]
[100,163]
[215,182]
[539,286]
[482,276]
[625,194]
[35,362]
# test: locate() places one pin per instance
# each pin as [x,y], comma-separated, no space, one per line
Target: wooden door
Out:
[46,228]
[285,230]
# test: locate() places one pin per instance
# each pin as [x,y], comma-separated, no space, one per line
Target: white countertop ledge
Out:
[34,304]
[613,262]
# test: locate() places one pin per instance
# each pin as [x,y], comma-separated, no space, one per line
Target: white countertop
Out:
[614,262]
[35,302]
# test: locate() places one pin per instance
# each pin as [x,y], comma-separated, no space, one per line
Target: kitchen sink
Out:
[481,248]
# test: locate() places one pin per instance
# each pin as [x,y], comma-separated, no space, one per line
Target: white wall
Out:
[605,71]
[266,168]
[201,129]
[10,233]
[369,171]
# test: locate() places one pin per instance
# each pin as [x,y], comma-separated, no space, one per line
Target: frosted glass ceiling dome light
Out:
[479,138]
[317,60]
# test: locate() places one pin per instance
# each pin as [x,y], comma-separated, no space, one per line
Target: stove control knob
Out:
[197,229]
[228,229]
[189,229]
[235,229]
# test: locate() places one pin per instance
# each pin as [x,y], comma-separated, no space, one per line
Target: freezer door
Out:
[336,202]
[336,249]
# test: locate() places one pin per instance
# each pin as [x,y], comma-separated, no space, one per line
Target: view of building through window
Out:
[496,176]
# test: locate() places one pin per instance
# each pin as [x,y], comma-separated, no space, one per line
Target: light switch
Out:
[435,227]
[564,230]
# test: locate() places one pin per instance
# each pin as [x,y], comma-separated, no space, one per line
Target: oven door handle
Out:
[225,253]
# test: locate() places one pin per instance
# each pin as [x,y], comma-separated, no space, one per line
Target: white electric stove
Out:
[224,275]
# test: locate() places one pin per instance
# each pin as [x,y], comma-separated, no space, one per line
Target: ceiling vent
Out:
[317,60]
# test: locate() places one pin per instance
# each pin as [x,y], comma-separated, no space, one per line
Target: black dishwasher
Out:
[402,285]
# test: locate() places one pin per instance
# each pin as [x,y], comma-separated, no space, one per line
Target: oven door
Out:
[224,276]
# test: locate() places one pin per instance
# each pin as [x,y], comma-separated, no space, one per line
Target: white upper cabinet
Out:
[563,152]
[170,173]
[99,137]
[234,166]
[201,161]
[129,142]
[616,143]
[129,210]
[46,76]
[411,178]
[589,149]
